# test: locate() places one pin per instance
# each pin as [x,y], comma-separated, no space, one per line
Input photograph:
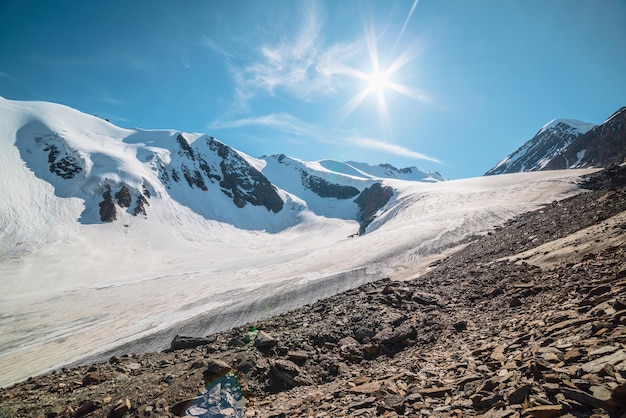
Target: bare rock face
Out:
[123,197]
[371,200]
[244,183]
[62,163]
[108,212]
[324,188]
[603,146]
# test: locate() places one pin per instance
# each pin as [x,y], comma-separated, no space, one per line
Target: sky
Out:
[444,85]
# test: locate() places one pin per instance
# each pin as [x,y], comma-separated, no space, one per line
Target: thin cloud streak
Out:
[291,125]
[390,148]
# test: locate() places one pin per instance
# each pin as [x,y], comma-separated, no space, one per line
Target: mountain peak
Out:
[570,143]
[567,124]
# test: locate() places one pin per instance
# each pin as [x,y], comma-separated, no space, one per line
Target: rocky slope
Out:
[529,320]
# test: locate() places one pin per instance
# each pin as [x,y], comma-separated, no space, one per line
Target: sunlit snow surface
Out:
[84,289]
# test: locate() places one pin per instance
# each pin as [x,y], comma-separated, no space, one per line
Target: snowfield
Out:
[72,291]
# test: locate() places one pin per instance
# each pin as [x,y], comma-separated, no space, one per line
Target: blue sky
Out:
[445,85]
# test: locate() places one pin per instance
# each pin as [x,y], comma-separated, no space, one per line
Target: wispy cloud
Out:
[281,121]
[291,125]
[388,148]
[300,64]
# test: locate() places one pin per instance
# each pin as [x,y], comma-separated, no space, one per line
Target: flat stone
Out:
[545,411]
[596,365]
[584,398]
[298,357]
[87,408]
[604,350]
[367,388]
[572,355]
[435,392]
[498,353]
[600,392]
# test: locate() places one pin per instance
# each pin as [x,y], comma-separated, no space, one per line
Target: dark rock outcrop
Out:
[123,197]
[63,165]
[325,189]
[108,212]
[371,200]
[244,183]
[603,146]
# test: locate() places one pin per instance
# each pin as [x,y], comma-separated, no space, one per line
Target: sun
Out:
[377,82]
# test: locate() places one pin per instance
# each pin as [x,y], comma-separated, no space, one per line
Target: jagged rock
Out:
[287,374]
[518,395]
[585,398]
[217,368]
[424,298]
[122,407]
[460,326]
[263,340]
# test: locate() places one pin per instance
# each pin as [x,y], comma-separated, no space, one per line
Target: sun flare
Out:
[377,81]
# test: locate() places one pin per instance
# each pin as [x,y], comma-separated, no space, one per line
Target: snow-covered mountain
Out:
[118,174]
[567,143]
[602,146]
[204,237]
[551,140]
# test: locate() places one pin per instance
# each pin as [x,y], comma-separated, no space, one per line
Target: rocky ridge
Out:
[567,143]
[494,330]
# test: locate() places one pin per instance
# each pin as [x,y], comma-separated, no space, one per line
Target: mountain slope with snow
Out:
[119,174]
[552,139]
[602,146]
[74,286]
[567,143]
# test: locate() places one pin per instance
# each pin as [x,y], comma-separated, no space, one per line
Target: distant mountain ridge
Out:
[118,172]
[568,143]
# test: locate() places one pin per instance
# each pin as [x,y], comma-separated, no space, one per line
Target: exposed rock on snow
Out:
[371,200]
